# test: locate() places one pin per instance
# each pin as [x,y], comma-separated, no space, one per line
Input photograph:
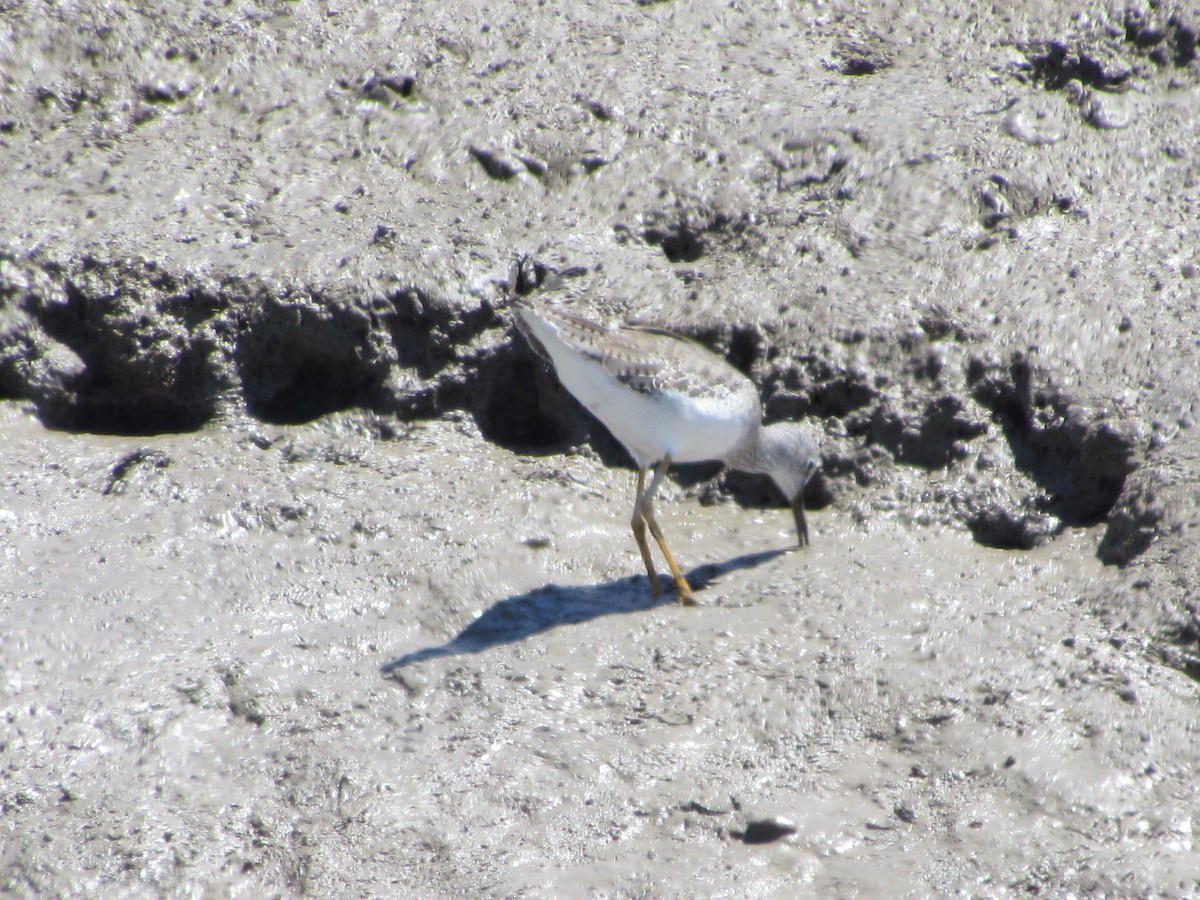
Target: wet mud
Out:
[315,581]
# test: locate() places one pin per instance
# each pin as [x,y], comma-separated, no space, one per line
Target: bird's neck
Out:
[755,453]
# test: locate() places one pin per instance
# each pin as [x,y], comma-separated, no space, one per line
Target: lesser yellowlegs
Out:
[669,400]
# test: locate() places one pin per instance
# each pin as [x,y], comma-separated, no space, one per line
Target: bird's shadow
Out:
[524,615]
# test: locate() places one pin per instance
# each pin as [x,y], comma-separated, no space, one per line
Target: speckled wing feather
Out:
[670,363]
[650,360]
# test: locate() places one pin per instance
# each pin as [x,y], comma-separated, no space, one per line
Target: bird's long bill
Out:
[801,522]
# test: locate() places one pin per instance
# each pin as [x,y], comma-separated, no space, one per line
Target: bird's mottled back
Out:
[648,360]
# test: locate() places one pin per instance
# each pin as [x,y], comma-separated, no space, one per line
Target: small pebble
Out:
[764,831]
[1111,111]
[1034,125]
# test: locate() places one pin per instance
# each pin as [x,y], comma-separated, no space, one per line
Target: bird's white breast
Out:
[651,424]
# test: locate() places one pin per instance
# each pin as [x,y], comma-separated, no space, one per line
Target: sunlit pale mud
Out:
[323,657]
[357,610]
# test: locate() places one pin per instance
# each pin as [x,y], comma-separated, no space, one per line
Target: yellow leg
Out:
[647,509]
[639,534]
[685,589]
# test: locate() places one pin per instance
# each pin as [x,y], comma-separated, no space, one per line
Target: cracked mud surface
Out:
[315,581]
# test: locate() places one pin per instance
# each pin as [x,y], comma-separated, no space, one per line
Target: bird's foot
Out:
[686,597]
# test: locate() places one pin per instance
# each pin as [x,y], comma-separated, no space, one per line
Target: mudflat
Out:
[313,579]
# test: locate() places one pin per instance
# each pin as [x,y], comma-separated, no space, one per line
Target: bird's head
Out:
[791,460]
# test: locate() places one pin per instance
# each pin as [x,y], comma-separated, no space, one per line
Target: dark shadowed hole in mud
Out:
[1003,530]
[124,387]
[745,348]
[841,396]
[137,418]
[938,440]
[679,244]
[314,390]
[1080,469]
[1078,494]
[513,407]
[1057,65]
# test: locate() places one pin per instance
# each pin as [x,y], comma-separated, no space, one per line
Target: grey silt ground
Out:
[313,580]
